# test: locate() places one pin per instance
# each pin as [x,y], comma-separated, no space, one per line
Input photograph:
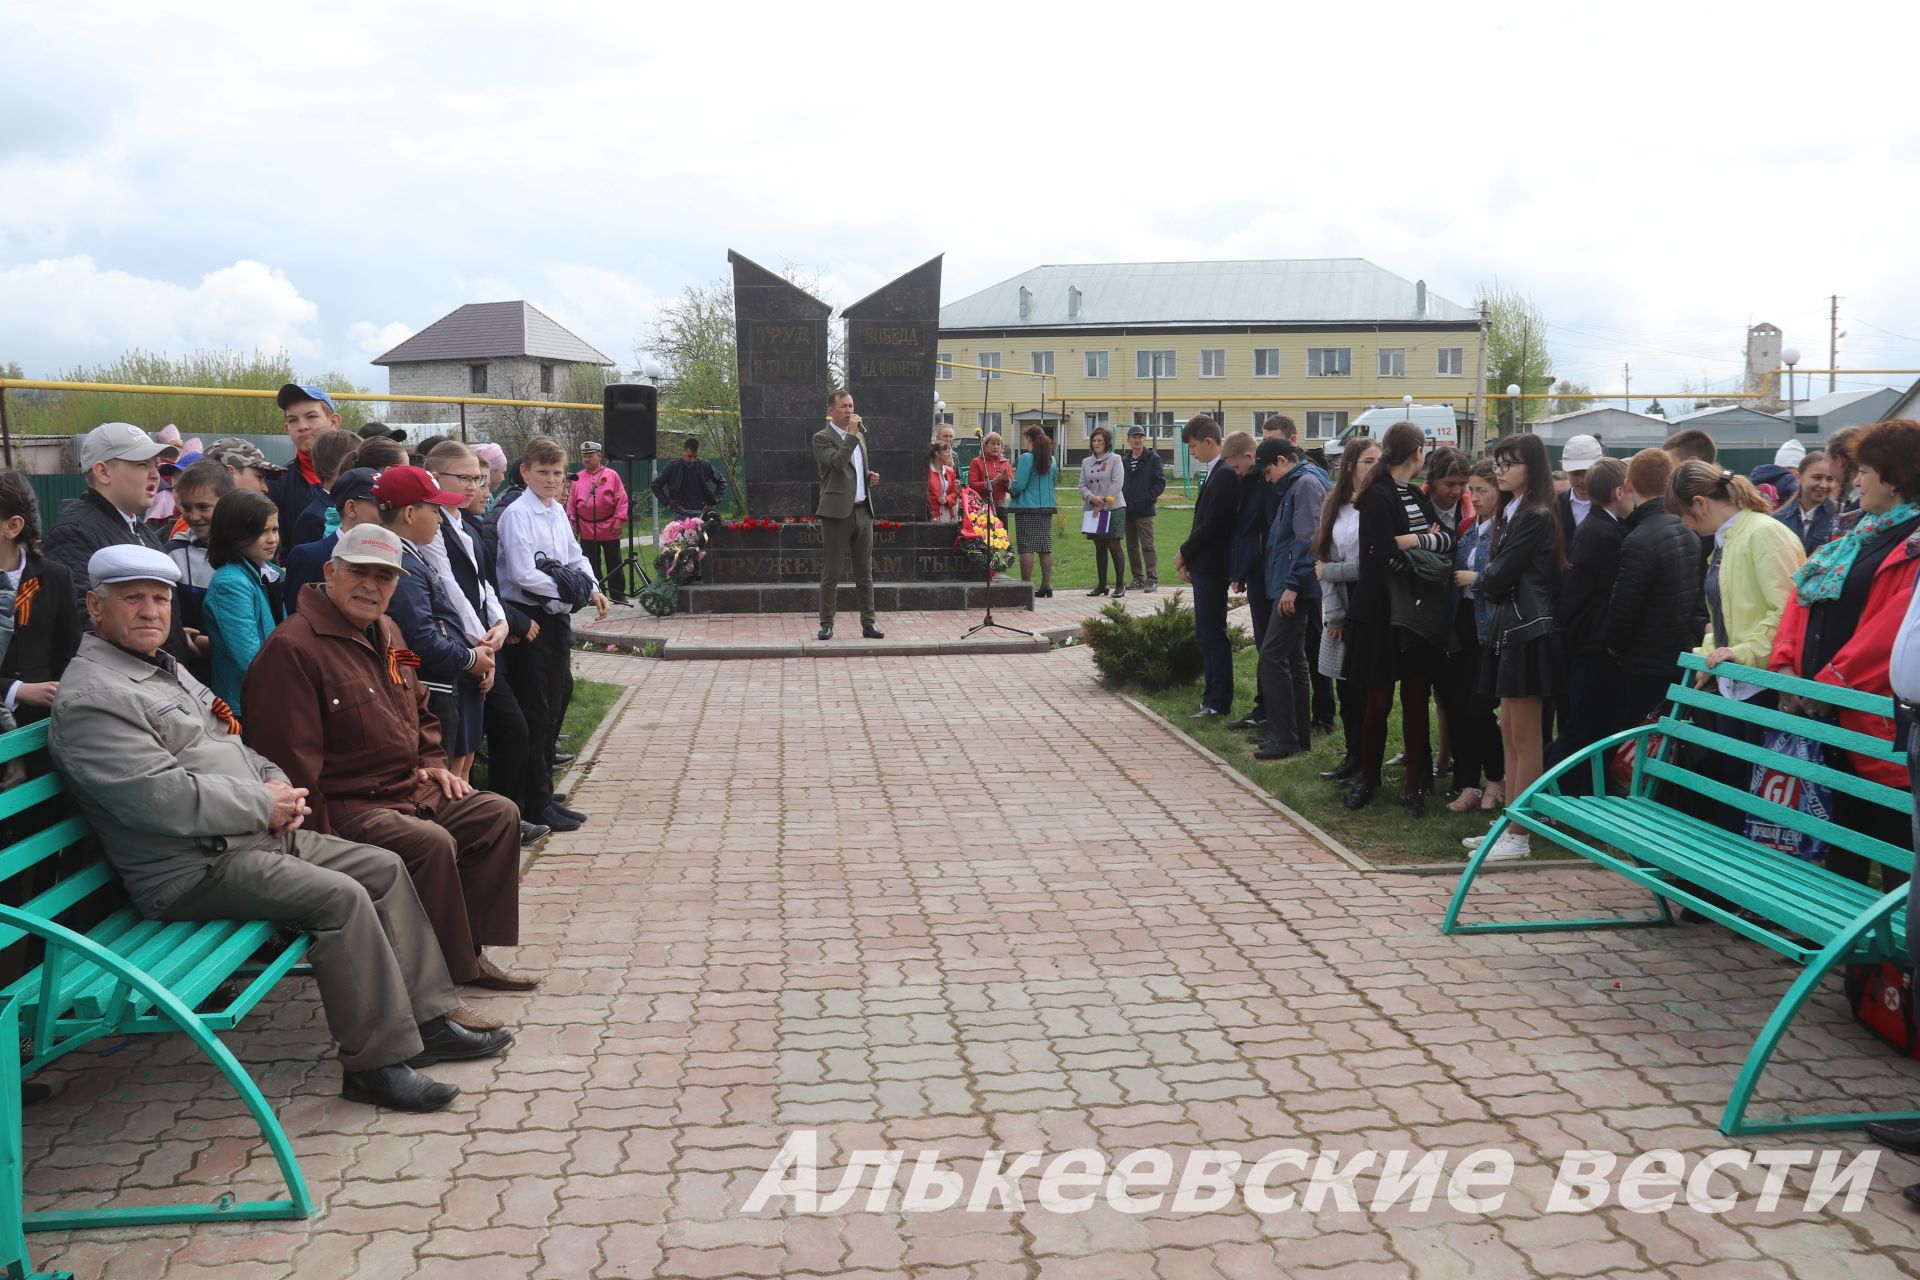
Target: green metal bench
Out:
[128,975]
[14,1262]
[1796,908]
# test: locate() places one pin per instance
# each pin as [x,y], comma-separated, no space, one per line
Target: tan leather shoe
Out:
[494,978]
[474,1020]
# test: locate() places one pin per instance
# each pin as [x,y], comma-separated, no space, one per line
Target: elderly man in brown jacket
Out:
[351,725]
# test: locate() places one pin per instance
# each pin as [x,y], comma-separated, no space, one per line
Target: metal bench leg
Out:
[299,1202]
[1733,1121]
[1450,923]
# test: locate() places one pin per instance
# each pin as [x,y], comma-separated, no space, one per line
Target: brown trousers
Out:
[465,864]
[373,955]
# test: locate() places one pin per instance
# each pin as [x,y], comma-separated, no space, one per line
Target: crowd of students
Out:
[1543,610]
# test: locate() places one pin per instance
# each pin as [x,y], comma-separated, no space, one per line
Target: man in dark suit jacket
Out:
[1203,558]
[1247,562]
[846,511]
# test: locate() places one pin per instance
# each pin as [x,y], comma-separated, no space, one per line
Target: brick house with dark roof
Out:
[508,349]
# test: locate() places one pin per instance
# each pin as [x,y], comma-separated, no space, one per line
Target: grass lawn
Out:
[1381,832]
[1073,553]
[591,701]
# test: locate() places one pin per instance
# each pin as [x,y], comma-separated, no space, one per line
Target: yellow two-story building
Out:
[1319,339]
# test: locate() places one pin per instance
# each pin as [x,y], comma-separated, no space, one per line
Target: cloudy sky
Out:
[330,178]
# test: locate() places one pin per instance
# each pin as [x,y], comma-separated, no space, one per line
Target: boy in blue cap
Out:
[306,410]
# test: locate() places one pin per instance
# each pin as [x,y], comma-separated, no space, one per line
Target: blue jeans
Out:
[1210,624]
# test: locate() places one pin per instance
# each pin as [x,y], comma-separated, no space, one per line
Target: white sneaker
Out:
[1473,842]
[1510,847]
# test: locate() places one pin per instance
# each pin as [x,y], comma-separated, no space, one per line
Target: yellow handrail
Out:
[249,393]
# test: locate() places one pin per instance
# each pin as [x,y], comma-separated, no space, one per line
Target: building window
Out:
[1329,362]
[1266,362]
[1142,418]
[1452,361]
[1042,361]
[989,360]
[988,422]
[1325,425]
[1260,417]
[1096,364]
[546,379]
[944,370]
[1393,362]
[1145,363]
[1098,420]
[476,379]
[943,419]
[1213,362]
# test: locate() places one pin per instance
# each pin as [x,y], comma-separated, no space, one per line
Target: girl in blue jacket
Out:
[240,608]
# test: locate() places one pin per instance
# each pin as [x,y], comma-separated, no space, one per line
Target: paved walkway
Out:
[834,896]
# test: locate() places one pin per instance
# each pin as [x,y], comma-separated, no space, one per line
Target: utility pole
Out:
[1626,397]
[1833,341]
[1480,379]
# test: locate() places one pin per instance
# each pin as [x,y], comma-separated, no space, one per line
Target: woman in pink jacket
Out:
[597,507]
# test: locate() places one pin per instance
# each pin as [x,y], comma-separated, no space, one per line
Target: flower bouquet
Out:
[982,539]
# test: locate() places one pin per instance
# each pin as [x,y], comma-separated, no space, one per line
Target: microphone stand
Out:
[987,623]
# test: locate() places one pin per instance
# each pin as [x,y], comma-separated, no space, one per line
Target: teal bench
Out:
[128,975]
[1799,909]
[14,1261]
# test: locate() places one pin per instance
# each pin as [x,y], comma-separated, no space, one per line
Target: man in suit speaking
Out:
[845,511]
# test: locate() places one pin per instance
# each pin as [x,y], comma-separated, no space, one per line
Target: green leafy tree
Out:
[1571,397]
[209,417]
[1516,351]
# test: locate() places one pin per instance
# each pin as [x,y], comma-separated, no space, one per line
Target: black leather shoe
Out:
[33,1093]
[561,759]
[1361,796]
[1322,728]
[1205,713]
[444,1040]
[1118,592]
[826,632]
[533,833]
[565,812]
[557,797]
[1912,1194]
[559,821]
[870,632]
[1415,804]
[1248,722]
[1896,1138]
[1274,751]
[397,1088]
[1342,772]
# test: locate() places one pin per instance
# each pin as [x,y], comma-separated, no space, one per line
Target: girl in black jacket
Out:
[1524,664]
[37,614]
[1395,518]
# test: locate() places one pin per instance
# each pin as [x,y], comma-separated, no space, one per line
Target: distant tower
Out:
[1763,354]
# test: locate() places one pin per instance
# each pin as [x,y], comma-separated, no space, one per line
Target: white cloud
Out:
[370,340]
[60,312]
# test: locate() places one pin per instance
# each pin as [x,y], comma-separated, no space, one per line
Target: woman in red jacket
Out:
[990,473]
[943,485]
[1846,609]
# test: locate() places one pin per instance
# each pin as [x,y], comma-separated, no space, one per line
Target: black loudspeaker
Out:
[630,418]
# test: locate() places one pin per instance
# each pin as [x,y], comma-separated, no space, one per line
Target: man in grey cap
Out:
[121,465]
[202,828]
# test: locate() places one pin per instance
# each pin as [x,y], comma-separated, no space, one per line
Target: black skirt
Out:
[1381,653]
[1534,668]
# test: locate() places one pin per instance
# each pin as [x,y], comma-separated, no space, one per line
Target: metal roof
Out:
[482,330]
[1730,413]
[1820,406]
[1274,291]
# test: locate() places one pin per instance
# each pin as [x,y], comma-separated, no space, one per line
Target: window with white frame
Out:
[1451,362]
[1259,419]
[1144,418]
[943,419]
[1042,361]
[1097,420]
[988,422]
[1213,362]
[987,360]
[1329,362]
[944,370]
[1147,363]
[1325,425]
[1266,362]
[1096,364]
[1393,362]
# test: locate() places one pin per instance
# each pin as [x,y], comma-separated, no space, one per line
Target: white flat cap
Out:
[131,563]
